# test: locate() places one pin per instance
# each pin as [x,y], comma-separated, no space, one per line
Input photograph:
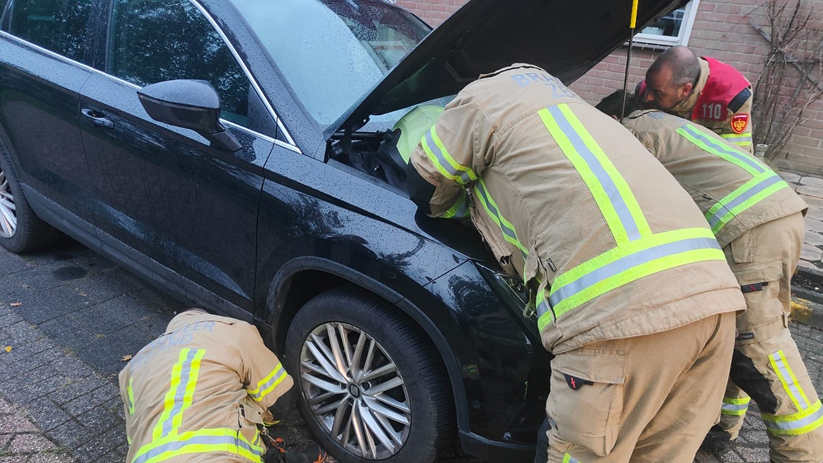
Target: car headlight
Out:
[509,287]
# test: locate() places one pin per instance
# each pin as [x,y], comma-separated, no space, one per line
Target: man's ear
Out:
[687,88]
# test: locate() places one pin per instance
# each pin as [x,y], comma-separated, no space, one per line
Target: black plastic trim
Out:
[495,451]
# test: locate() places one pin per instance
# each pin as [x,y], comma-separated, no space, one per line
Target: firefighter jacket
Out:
[609,243]
[721,101]
[198,392]
[734,190]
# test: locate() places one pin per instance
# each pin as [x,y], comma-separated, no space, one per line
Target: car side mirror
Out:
[190,104]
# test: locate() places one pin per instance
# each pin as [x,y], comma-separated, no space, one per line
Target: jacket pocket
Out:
[492,235]
[586,399]
[765,314]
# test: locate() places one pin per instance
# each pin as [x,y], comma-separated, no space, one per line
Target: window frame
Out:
[662,41]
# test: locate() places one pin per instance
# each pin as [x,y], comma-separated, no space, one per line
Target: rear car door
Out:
[168,196]
[45,53]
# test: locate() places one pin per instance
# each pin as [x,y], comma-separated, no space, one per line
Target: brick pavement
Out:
[810,188]
[69,316]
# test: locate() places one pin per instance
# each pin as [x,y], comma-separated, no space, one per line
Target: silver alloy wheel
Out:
[354,390]
[8,212]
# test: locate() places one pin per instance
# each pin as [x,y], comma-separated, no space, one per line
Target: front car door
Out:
[182,209]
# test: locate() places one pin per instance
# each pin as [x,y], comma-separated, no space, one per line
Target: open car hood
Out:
[565,37]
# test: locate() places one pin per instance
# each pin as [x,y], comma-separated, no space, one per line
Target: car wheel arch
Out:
[286,295]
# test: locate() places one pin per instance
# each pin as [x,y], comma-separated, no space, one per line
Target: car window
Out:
[60,26]
[152,41]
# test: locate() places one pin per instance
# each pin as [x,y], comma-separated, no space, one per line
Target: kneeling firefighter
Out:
[203,391]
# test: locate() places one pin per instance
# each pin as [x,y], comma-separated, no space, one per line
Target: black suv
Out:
[234,152]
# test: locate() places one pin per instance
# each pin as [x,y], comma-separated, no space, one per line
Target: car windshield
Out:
[331,52]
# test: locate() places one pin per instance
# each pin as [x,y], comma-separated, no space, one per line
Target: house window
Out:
[671,29]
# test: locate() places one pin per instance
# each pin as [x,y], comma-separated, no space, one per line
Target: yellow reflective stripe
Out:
[169,399]
[201,441]
[177,419]
[724,151]
[460,208]
[128,440]
[742,139]
[789,380]
[443,161]
[608,188]
[742,198]
[569,459]
[131,396]
[268,383]
[619,181]
[795,424]
[627,263]
[744,400]
[509,233]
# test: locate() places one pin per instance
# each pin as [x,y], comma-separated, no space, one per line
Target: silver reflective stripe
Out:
[597,169]
[180,393]
[723,149]
[788,380]
[486,198]
[463,175]
[261,391]
[735,407]
[196,440]
[542,308]
[570,459]
[793,425]
[755,189]
[462,211]
[627,262]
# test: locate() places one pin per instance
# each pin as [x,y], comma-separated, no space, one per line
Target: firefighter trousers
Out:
[766,364]
[642,399]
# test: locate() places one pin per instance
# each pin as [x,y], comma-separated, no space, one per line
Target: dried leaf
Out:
[126,358]
[16,304]
[8,349]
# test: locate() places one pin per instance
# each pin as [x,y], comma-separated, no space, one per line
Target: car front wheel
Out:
[371,384]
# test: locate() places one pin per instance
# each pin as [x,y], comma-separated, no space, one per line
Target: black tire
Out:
[31,232]
[417,363]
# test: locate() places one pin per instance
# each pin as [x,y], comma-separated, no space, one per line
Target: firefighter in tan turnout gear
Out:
[630,289]
[704,90]
[201,391]
[758,219]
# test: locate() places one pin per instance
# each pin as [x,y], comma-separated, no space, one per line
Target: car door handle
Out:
[97,118]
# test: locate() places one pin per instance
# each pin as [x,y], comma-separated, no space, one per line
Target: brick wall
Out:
[721,30]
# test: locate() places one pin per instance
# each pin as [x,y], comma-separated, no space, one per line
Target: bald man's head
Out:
[672,77]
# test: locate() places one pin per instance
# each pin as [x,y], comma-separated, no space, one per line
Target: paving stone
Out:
[100,446]
[729,456]
[94,263]
[33,280]
[814,191]
[99,420]
[67,332]
[77,389]
[19,334]
[53,303]
[71,435]
[46,414]
[71,368]
[105,354]
[52,458]
[91,400]
[15,423]
[28,443]
[805,265]
[14,459]
[815,212]
[756,437]
[118,456]
[810,253]
[112,315]
[5,439]
[807,180]
[753,454]
[9,319]
[5,407]
[11,263]
[813,238]
[790,177]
